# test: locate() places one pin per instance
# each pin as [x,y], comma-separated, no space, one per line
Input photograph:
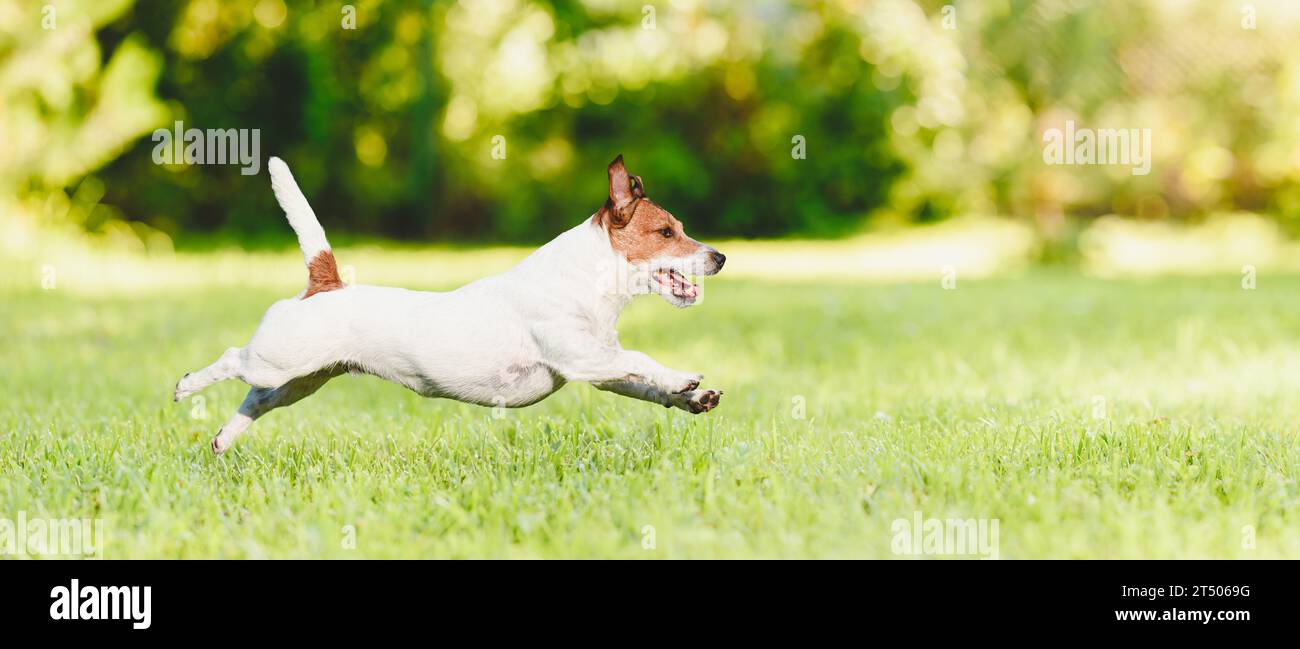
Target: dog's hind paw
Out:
[181,393]
[698,401]
[219,444]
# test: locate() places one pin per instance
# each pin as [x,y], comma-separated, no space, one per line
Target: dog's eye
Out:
[667,232]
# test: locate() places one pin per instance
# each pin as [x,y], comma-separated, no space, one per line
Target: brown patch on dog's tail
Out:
[322,274]
[322,270]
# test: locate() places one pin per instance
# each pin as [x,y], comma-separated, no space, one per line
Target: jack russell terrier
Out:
[508,340]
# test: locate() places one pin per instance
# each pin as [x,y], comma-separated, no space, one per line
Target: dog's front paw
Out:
[698,401]
[681,382]
[684,383]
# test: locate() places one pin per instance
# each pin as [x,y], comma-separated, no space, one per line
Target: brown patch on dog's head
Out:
[322,274]
[651,239]
[639,228]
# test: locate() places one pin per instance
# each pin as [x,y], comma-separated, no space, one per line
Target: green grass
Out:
[1125,418]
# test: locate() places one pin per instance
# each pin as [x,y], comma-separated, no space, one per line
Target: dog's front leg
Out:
[692,401]
[580,356]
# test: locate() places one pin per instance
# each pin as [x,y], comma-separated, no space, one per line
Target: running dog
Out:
[507,340]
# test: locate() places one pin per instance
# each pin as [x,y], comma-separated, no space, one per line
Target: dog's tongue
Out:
[683,288]
[678,284]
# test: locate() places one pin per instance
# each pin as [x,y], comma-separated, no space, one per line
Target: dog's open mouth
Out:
[678,284]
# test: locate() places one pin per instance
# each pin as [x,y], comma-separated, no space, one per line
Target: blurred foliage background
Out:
[909,111]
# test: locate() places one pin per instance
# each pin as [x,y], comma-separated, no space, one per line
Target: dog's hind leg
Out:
[263,400]
[226,367]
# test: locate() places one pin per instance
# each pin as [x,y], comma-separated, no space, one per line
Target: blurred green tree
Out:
[493,119]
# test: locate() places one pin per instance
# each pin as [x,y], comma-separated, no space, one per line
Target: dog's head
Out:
[658,256]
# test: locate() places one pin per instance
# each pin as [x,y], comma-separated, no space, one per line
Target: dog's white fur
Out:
[508,340]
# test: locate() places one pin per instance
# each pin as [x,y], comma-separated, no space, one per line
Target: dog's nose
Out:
[719,259]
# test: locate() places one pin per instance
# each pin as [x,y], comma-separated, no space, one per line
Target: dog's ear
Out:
[620,184]
[624,190]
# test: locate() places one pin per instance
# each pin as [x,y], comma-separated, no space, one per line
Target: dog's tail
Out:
[322,270]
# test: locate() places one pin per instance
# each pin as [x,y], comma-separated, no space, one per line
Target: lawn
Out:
[1090,418]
